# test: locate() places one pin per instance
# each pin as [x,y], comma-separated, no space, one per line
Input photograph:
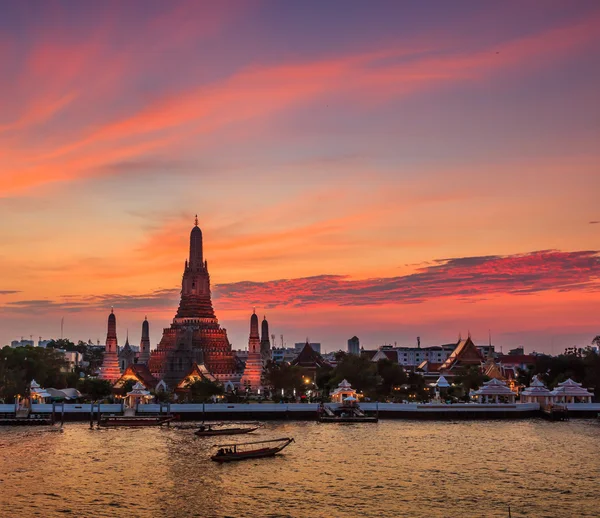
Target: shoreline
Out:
[305,411]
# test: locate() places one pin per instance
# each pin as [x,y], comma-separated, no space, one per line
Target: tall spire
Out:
[196,259]
[254,326]
[265,344]
[196,220]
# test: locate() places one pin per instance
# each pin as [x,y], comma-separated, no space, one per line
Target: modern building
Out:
[21,343]
[283,354]
[354,346]
[195,336]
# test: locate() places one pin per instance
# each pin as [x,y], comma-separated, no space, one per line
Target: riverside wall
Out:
[304,411]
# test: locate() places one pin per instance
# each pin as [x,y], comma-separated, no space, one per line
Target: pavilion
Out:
[36,393]
[343,391]
[536,393]
[137,395]
[571,392]
[494,391]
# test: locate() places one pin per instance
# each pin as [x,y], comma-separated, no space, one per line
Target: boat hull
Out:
[113,422]
[224,431]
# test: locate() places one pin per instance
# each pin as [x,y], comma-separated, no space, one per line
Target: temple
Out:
[145,343]
[195,336]
[127,355]
[252,377]
[110,364]
[265,343]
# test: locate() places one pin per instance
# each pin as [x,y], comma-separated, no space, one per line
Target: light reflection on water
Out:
[393,468]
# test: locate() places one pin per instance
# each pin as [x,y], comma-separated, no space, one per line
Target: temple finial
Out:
[111,309]
[254,310]
[196,220]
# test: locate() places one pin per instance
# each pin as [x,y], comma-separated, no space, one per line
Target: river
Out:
[392,468]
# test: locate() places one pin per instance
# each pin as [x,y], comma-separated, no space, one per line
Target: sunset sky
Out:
[381,169]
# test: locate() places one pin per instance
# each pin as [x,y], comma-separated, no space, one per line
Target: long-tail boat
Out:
[243,451]
[209,430]
[113,421]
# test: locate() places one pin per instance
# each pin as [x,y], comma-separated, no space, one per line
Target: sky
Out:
[380,169]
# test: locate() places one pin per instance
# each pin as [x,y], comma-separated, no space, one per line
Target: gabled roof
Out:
[309,358]
[138,372]
[391,355]
[428,366]
[466,353]
[369,353]
[570,388]
[197,372]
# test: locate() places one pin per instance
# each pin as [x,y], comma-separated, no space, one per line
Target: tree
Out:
[596,341]
[202,390]
[283,376]
[20,365]
[469,378]
[95,388]
[359,371]
[391,375]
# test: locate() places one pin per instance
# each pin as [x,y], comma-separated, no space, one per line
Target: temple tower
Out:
[265,344]
[110,364]
[145,343]
[252,377]
[195,336]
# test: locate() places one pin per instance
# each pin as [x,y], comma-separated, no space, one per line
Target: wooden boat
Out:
[114,421]
[347,419]
[209,430]
[234,452]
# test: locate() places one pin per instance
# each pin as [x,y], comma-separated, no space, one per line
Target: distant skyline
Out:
[386,170]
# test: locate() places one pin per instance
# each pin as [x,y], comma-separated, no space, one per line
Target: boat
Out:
[346,413]
[243,451]
[209,430]
[115,421]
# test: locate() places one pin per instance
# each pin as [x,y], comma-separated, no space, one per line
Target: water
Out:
[393,468]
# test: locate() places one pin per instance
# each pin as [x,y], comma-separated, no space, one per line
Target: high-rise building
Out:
[195,336]
[354,345]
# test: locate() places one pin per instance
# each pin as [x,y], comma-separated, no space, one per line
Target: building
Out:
[144,356]
[127,356]
[252,377]
[21,343]
[412,357]
[536,393]
[354,346]
[309,360]
[283,354]
[195,335]
[265,343]
[110,364]
[300,345]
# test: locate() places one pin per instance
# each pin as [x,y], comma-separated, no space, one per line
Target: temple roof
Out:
[536,388]
[308,358]
[139,372]
[494,387]
[570,388]
[442,382]
[196,373]
[466,353]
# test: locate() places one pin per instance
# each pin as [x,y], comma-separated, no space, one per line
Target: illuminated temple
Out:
[195,336]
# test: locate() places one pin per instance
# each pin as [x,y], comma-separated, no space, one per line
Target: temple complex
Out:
[265,343]
[252,377]
[145,343]
[110,364]
[195,335]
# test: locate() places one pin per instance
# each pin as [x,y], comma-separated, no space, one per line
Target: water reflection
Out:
[393,468]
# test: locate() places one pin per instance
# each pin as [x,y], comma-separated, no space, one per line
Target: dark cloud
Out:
[9,292]
[464,278]
[594,222]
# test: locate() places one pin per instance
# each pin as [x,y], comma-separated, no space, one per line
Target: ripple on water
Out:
[393,468]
